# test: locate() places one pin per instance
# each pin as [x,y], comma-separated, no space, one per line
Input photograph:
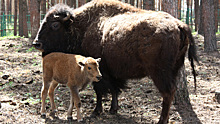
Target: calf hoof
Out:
[52,113]
[43,116]
[69,119]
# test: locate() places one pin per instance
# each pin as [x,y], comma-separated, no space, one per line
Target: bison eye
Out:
[89,68]
[55,25]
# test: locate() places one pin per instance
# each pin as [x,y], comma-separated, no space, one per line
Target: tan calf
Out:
[75,71]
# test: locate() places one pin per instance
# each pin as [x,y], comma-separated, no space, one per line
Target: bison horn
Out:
[67,17]
[56,16]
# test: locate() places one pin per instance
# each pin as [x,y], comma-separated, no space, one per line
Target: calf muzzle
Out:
[99,77]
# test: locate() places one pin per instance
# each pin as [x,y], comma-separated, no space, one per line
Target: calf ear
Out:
[98,60]
[81,64]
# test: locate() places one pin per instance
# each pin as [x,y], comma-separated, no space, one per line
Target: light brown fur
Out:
[75,71]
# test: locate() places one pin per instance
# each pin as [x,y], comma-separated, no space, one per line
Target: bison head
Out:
[55,34]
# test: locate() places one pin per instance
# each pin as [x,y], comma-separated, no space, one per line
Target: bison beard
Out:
[132,43]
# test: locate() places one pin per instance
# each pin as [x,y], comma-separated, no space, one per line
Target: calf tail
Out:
[192,55]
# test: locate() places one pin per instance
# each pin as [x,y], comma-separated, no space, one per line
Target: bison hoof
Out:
[95,113]
[69,119]
[113,111]
[43,116]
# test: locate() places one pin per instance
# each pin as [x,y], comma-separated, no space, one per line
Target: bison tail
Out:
[192,54]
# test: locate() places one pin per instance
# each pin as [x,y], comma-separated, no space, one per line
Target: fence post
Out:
[3,25]
[187,16]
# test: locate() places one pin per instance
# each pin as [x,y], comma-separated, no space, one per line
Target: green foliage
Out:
[30,49]
[9,84]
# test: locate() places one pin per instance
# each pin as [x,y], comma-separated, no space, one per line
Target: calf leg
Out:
[74,100]
[77,103]
[44,92]
[51,95]
[70,109]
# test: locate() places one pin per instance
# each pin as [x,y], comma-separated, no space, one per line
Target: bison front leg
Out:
[98,108]
[114,103]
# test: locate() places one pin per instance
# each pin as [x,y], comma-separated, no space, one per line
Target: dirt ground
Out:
[21,81]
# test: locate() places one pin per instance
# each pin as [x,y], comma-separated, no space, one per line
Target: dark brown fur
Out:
[132,43]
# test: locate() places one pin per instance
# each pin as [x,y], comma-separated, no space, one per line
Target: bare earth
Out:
[21,81]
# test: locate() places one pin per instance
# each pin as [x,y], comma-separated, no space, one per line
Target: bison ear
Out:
[81,64]
[98,60]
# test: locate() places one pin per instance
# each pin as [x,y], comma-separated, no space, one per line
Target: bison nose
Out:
[99,77]
[37,45]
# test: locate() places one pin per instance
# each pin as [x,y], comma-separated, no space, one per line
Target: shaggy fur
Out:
[132,43]
[73,70]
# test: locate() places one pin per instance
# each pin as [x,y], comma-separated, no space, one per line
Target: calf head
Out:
[54,34]
[90,67]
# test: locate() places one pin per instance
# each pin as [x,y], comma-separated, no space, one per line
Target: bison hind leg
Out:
[166,84]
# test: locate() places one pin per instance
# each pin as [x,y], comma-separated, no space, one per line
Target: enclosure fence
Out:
[7,21]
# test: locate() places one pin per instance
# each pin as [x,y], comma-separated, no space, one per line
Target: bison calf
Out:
[75,71]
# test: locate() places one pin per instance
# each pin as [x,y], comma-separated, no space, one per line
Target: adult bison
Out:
[133,43]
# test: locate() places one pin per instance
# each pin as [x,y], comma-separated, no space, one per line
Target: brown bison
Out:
[133,43]
[75,71]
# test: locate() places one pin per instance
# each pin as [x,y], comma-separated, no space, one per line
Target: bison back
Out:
[133,49]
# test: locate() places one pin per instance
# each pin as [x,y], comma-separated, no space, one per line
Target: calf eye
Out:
[55,25]
[89,68]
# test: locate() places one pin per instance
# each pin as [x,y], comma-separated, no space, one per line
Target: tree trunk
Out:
[196,4]
[201,30]
[21,33]
[139,4]
[187,12]
[15,16]
[81,2]
[170,7]
[7,7]
[25,12]
[148,4]
[52,2]
[182,95]
[159,5]
[216,15]
[2,6]
[43,6]
[35,16]
[210,43]
[179,9]
[132,2]
[70,3]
